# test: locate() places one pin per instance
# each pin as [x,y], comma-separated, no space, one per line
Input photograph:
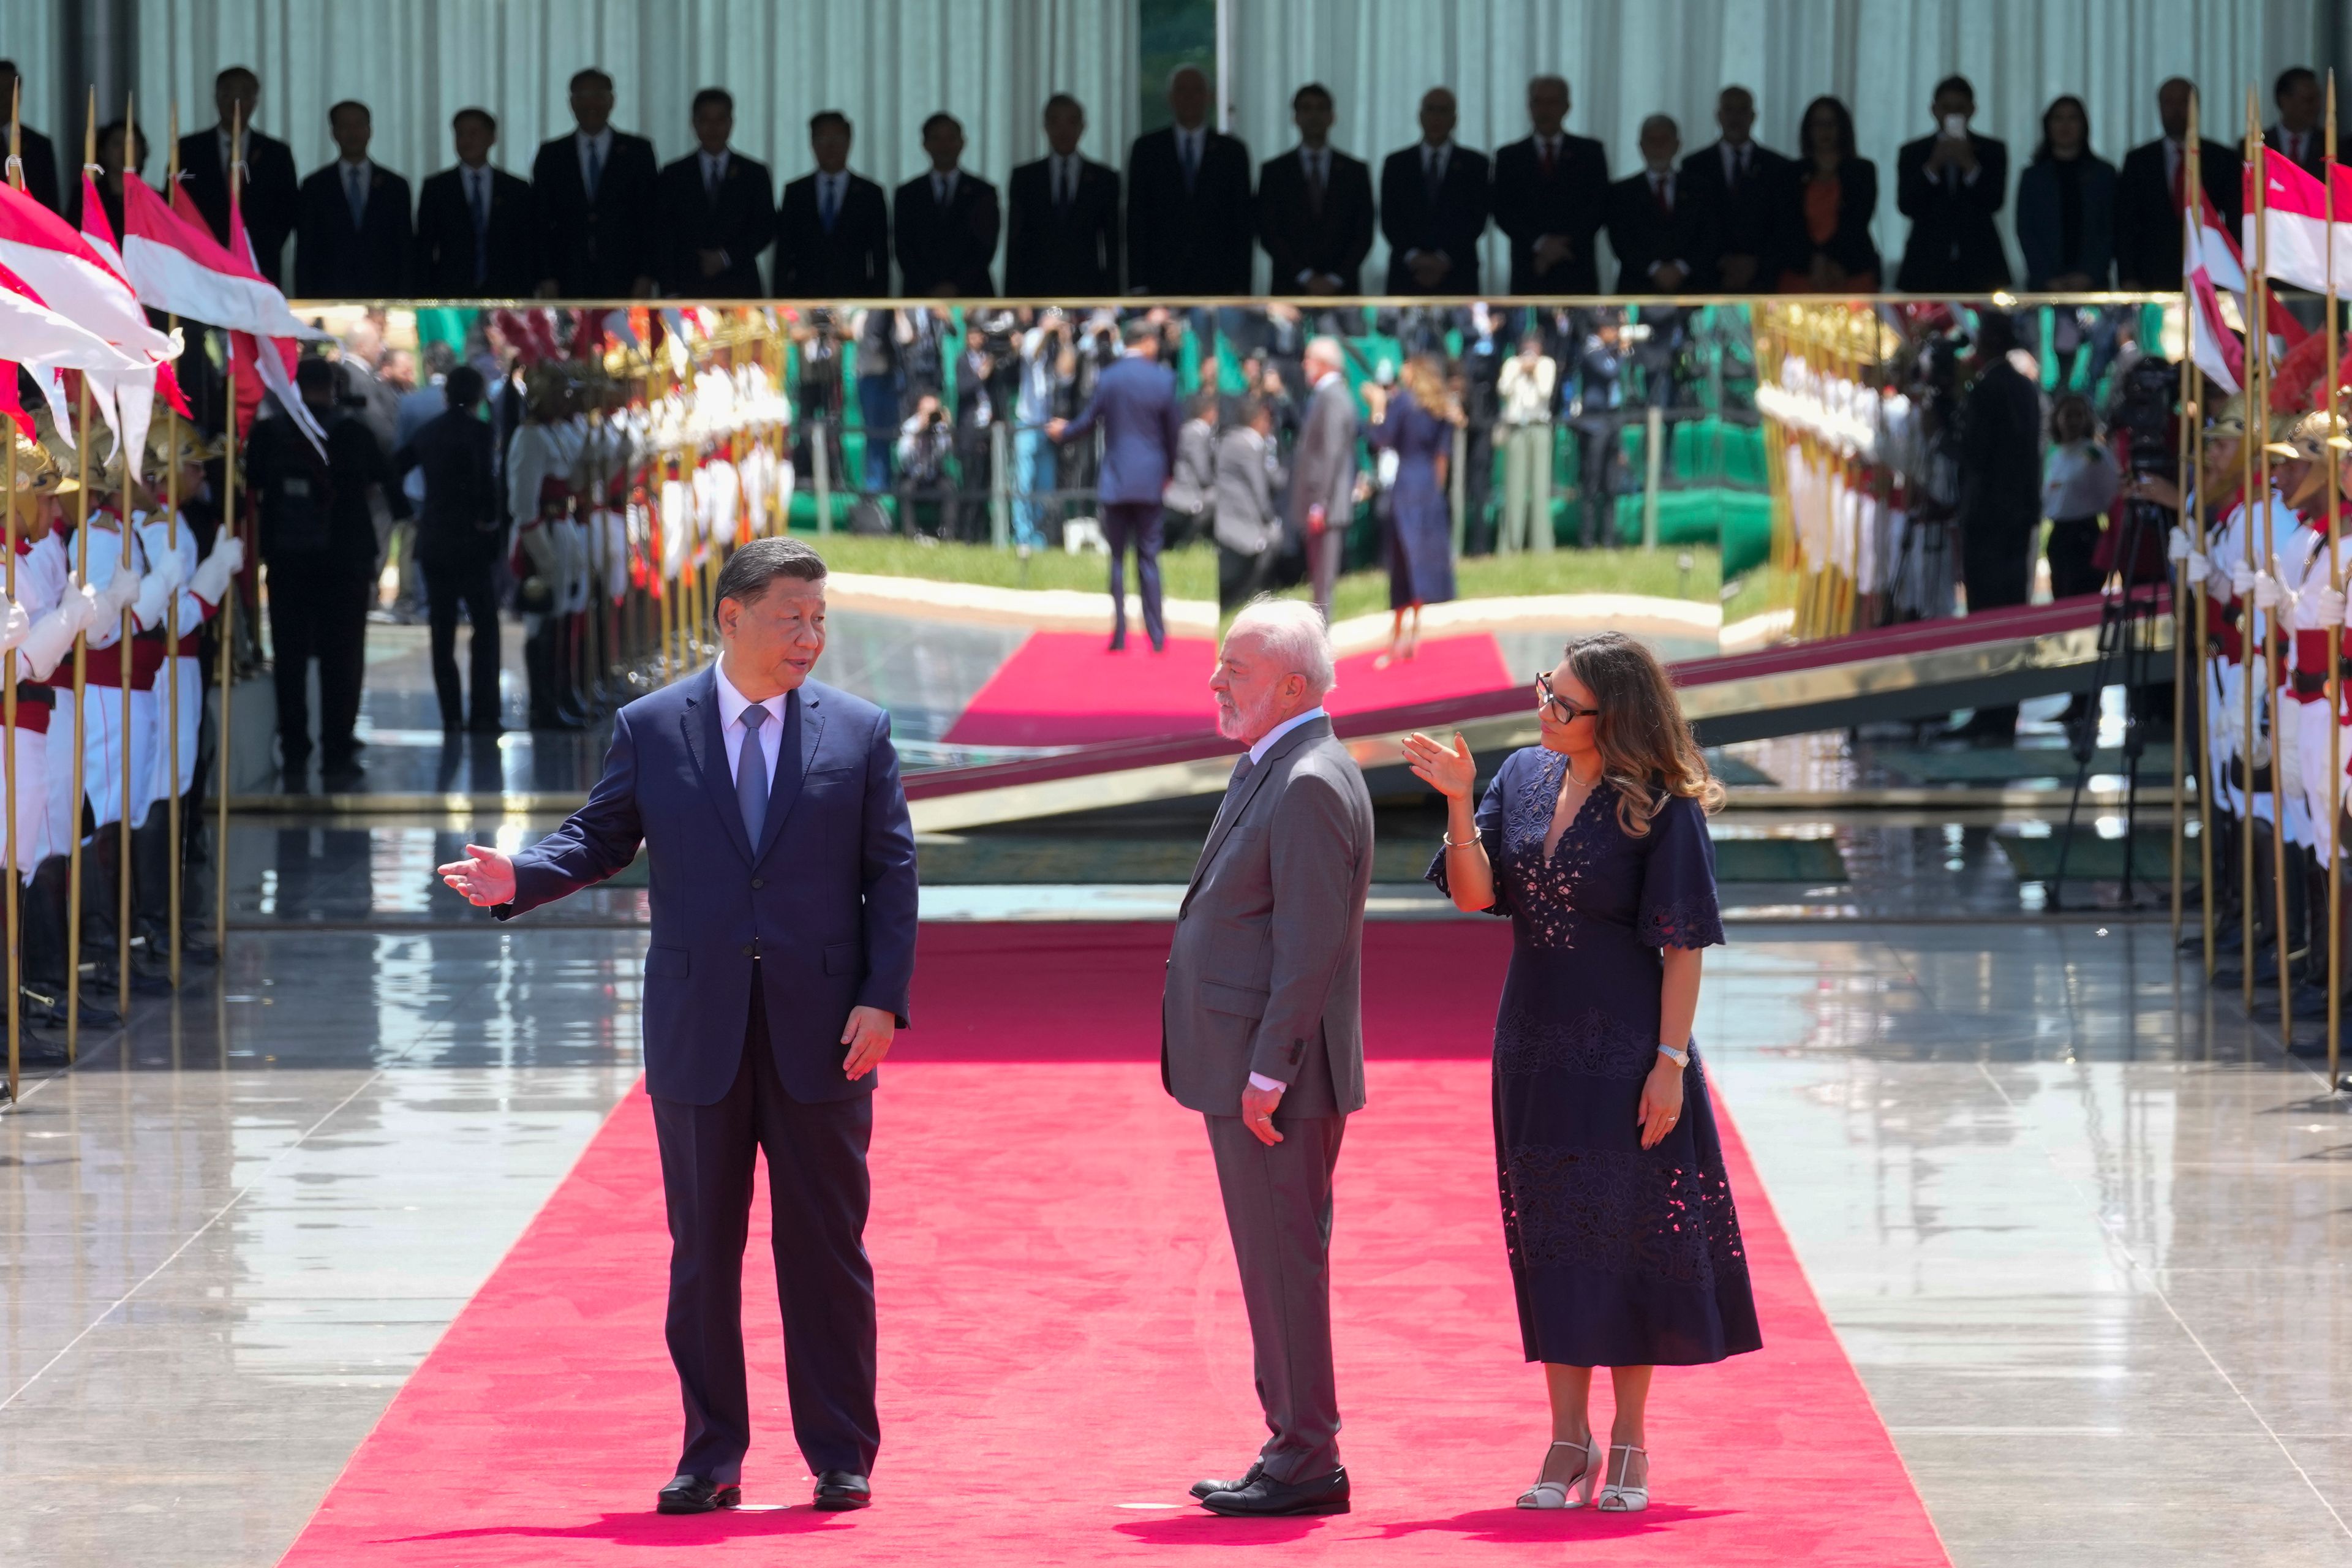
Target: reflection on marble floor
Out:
[2084,1235]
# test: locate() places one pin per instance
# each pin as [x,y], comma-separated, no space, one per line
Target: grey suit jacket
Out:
[1266,970]
[1323,464]
[1246,522]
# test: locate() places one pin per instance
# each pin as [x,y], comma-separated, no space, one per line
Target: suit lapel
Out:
[708,747]
[784,791]
[1314,729]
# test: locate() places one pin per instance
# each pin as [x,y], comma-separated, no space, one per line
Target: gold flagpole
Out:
[2258,305]
[81,679]
[8,689]
[123,659]
[171,611]
[2257,422]
[2193,443]
[228,602]
[2335,635]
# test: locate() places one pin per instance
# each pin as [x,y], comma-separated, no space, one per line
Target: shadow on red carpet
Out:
[1063,1348]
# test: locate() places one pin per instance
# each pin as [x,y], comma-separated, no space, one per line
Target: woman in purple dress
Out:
[1417,422]
[1624,1247]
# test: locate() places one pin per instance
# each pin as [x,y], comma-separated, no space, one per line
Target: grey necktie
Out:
[751,776]
[1242,770]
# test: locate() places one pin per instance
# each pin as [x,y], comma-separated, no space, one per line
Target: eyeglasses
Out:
[1551,702]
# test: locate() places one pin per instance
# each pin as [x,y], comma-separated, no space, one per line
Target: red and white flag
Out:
[46,342]
[2207,266]
[2295,222]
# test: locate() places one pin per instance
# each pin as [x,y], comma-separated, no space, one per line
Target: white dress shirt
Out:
[731,704]
[943,185]
[1258,1081]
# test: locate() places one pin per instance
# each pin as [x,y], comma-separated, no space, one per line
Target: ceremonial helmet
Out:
[2306,436]
[2229,420]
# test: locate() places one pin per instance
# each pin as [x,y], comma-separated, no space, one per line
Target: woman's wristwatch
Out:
[1675,1054]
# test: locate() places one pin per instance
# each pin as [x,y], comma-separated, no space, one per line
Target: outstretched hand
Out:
[867,1034]
[1450,770]
[484,879]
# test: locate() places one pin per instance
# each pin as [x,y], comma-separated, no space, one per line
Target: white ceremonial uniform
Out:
[171,781]
[40,585]
[102,704]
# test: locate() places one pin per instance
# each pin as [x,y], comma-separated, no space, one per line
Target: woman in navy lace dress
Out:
[1624,1247]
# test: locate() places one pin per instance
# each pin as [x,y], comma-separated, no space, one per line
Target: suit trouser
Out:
[1326,553]
[318,612]
[818,1193]
[1136,523]
[1241,578]
[1527,489]
[1278,1210]
[444,587]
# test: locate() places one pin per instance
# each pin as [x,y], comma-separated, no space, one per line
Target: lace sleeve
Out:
[1678,906]
[1489,821]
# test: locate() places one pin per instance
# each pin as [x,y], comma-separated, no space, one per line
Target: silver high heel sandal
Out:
[1558,1494]
[1617,1496]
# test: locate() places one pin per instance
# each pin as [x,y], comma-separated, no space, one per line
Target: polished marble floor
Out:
[2086,1236]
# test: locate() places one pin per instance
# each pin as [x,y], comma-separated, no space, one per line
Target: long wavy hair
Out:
[1425,379]
[1647,750]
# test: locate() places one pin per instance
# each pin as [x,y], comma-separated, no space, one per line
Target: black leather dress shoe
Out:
[692,1494]
[839,1491]
[1267,1498]
[1201,1489]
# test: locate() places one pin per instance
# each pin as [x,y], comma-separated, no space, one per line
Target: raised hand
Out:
[484,879]
[1450,770]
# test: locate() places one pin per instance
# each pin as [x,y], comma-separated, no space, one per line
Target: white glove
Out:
[147,611]
[121,591]
[2325,606]
[78,608]
[14,626]
[2195,567]
[2179,546]
[2220,581]
[2268,592]
[210,580]
[169,564]
[2241,581]
[54,633]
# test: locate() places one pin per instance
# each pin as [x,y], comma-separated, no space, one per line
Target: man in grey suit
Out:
[1248,528]
[1262,1029]
[1135,406]
[1323,469]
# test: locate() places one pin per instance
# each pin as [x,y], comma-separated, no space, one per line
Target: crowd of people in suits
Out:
[601,217]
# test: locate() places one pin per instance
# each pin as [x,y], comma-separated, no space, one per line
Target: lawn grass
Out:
[1765,588]
[1187,573]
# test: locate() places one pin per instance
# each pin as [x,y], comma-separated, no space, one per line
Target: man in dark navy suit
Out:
[1187,200]
[352,239]
[477,235]
[596,195]
[1433,201]
[783,873]
[946,221]
[1551,196]
[1062,228]
[267,198]
[1315,207]
[833,229]
[1135,406]
[1743,184]
[717,211]
[1663,236]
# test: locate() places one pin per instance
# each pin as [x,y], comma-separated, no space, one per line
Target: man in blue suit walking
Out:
[782,869]
[1135,405]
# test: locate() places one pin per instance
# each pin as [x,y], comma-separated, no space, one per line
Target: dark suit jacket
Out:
[41,170]
[2313,162]
[596,250]
[741,222]
[270,200]
[1746,214]
[1188,242]
[2039,225]
[949,249]
[1954,246]
[1573,202]
[1051,253]
[1642,236]
[853,262]
[825,899]
[1849,244]
[1298,238]
[1135,404]
[335,261]
[2147,222]
[445,239]
[458,525]
[1455,223]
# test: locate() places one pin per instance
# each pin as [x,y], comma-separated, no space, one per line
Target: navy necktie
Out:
[596,169]
[830,206]
[751,777]
[1191,160]
[355,193]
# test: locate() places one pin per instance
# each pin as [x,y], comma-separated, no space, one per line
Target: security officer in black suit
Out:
[945,222]
[833,229]
[40,159]
[354,237]
[1433,203]
[1062,230]
[595,191]
[717,211]
[269,197]
[1551,196]
[1315,207]
[477,228]
[1189,216]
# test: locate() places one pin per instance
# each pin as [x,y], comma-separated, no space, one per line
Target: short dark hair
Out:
[8,68]
[349,103]
[1063,100]
[484,115]
[440,358]
[464,386]
[590,73]
[2289,78]
[1996,331]
[713,95]
[1311,89]
[245,72]
[755,565]
[314,375]
[823,115]
[937,116]
[1955,83]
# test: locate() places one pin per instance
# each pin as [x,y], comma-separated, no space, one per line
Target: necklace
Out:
[1568,768]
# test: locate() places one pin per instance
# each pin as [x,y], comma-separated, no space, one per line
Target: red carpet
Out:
[1066,688]
[1062,1343]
